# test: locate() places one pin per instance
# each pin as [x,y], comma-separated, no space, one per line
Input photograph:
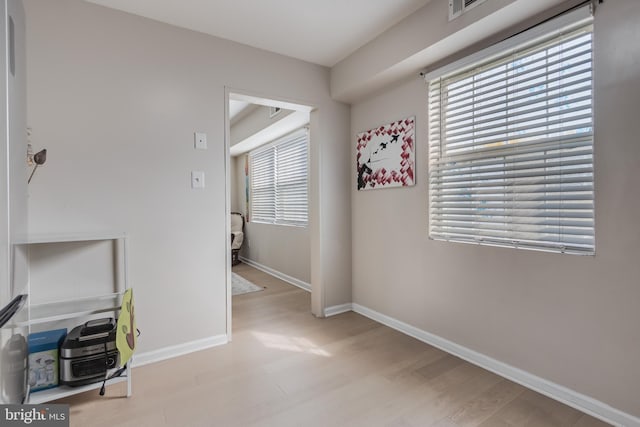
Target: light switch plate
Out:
[197,179]
[200,141]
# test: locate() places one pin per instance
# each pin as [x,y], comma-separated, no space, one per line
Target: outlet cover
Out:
[197,179]
[200,141]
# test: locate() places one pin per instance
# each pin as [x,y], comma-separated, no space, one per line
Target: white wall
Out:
[330,171]
[569,319]
[234,182]
[282,248]
[425,37]
[238,196]
[116,99]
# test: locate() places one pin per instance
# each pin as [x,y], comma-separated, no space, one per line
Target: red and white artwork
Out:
[386,155]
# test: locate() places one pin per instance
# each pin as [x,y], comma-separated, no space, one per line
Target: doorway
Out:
[255,126]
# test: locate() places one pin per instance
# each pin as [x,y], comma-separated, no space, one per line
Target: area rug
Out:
[240,285]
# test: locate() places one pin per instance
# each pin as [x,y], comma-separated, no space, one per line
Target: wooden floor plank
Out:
[479,409]
[287,368]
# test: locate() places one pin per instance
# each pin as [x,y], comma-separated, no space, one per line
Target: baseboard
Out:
[555,391]
[337,309]
[178,350]
[284,277]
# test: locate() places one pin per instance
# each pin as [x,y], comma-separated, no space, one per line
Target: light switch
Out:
[200,141]
[197,179]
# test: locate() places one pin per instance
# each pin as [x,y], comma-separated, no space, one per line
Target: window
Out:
[511,147]
[279,183]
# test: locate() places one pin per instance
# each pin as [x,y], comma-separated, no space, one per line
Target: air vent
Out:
[273,111]
[458,7]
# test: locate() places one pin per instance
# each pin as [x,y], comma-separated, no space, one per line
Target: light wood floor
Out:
[287,368]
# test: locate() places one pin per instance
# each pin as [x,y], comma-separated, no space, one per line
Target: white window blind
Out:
[279,181]
[511,148]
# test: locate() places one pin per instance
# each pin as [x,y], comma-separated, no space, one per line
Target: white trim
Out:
[285,277]
[555,391]
[227,214]
[268,100]
[178,350]
[337,309]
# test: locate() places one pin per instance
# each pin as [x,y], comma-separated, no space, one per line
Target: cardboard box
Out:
[43,358]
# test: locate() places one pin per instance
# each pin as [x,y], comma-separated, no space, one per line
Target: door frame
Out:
[317,288]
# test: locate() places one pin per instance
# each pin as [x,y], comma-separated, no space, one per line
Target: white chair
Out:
[237,236]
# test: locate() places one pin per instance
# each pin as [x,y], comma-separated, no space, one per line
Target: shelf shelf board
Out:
[66,391]
[80,307]
[68,237]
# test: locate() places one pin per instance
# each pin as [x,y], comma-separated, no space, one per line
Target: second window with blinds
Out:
[279,181]
[511,146]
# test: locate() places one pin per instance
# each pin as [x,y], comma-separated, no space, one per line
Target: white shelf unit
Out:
[61,392]
[78,308]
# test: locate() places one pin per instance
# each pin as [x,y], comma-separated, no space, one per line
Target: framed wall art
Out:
[386,155]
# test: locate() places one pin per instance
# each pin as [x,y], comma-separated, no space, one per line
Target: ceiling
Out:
[319,31]
[237,107]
